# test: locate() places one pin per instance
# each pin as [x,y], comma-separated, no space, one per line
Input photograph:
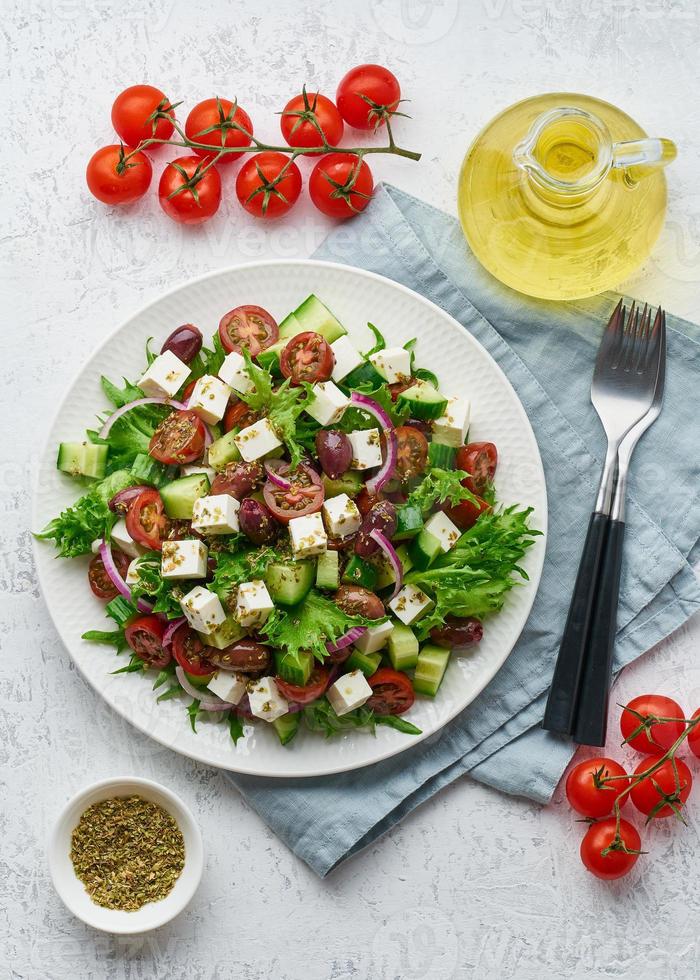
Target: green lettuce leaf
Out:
[319,716]
[164,594]
[439,486]
[121,396]
[237,566]
[282,407]
[131,434]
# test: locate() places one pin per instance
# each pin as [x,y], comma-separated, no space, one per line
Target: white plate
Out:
[355,296]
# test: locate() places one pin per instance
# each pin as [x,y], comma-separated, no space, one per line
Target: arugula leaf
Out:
[131,434]
[235,727]
[437,487]
[163,676]
[171,693]
[423,374]
[400,724]
[308,625]
[114,637]
[121,396]
[282,407]
[164,594]
[245,565]
[319,716]
[379,344]
[74,530]
[150,356]
[192,713]
[135,665]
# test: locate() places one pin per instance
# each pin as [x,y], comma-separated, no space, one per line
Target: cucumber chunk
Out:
[364,374]
[409,522]
[360,572]
[366,662]
[290,327]
[294,668]
[145,469]
[286,727]
[423,400]
[223,451]
[82,459]
[224,635]
[314,315]
[385,572]
[349,483]
[327,570]
[270,358]
[180,495]
[442,456]
[424,550]
[430,669]
[403,647]
[289,582]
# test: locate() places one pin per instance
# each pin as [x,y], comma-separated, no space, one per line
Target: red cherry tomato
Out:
[638,716]
[377,85]
[100,582]
[305,495]
[365,500]
[587,791]
[187,193]
[238,416]
[248,328]
[179,439]
[465,514]
[615,863]
[480,460]
[649,794]
[215,122]
[307,357]
[297,121]
[268,184]
[188,651]
[145,519]
[392,692]
[317,684]
[132,111]
[145,637]
[694,737]
[412,452]
[339,186]
[111,184]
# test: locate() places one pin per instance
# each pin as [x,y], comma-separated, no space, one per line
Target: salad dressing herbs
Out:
[127,851]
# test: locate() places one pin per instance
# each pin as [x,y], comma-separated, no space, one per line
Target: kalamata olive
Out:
[340,656]
[238,479]
[381,517]
[245,656]
[457,631]
[421,424]
[256,521]
[357,601]
[185,342]
[334,452]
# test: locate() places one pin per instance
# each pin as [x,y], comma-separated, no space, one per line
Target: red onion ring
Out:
[105,552]
[345,640]
[394,560]
[173,624]
[273,475]
[127,408]
[120,501]
[211,703]
[383,474]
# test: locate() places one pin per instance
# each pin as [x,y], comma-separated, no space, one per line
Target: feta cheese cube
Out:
[366,449]
[228,687]
[265,699]
[194,469]
[166,375]
[256,440]
[184,559]
[233,373]
[452,427]
[347,358]
[217,514]
[441,527]
[341,516]
[253,604]
[349,692]
[374,637]
[393,363]
[410,604]
[209,398]
[328,403]
[202,609]
[124,541]
[308,536]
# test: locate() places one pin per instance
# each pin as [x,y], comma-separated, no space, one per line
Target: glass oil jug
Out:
[562,196]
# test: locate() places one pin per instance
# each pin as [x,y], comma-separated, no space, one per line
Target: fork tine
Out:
[644,345]
[628,332]
[612,335]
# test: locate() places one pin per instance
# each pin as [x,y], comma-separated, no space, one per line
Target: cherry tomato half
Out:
[373,82]
[187,193]
[639,714]
[145,637]
[297,123]
[465,514]
[248,328]
[651,791]
[392,692]
[268,184]
[412,452]
[317,684]
[307,357]
[586,790]
[480,460]
[305,495]
[188,650]
[132,110]
[615,863]
[145,519]
[108,185]
[100,582]
[340,186]
[215,122]
[179,439]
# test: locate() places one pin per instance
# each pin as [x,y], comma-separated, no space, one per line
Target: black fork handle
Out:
[561,710]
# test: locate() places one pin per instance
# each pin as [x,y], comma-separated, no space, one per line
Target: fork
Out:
[629,364]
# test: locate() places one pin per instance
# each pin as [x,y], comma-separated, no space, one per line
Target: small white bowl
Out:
[72,891]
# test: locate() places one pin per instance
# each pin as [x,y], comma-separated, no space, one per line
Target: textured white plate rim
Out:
[535,571]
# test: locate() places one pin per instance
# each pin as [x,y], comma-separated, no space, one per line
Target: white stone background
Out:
[474,884]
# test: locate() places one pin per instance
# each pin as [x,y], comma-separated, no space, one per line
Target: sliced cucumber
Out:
[442,456]
[289,582]
[349,483]
[120,610]
[327,570]
[290,327]
[224,635]
[366,662]
[423,401]
[409,522]
[430,669]
[180,495]
[403,647]
[364,374]
[270,358]
[314,315]
[82,459]
[145,469]
[360,572]
[294,668]
[287,726]
[424,550]
[223,451]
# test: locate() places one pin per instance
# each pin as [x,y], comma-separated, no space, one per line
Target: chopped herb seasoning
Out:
[127,851]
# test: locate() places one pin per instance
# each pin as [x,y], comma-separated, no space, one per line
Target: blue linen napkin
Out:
[547,351]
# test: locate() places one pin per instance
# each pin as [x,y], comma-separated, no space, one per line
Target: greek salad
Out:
[286,529]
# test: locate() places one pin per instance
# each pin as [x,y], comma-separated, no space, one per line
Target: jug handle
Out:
[638,158]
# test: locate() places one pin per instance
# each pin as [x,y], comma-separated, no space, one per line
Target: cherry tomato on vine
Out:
[100,582]
[411,452]
[114,185]
[179,439]
[586,790]
[248,328]
[694,737]
[145,637]
[215,122]
[392,692]
[200,196]
[672,784]
[304,694]
[297,123]
[340,186]
[268,184]
[637,716]
[145,519]
[381,91]
[132,111]
[307,357]
[188,650]
[617,862]
[480,460]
